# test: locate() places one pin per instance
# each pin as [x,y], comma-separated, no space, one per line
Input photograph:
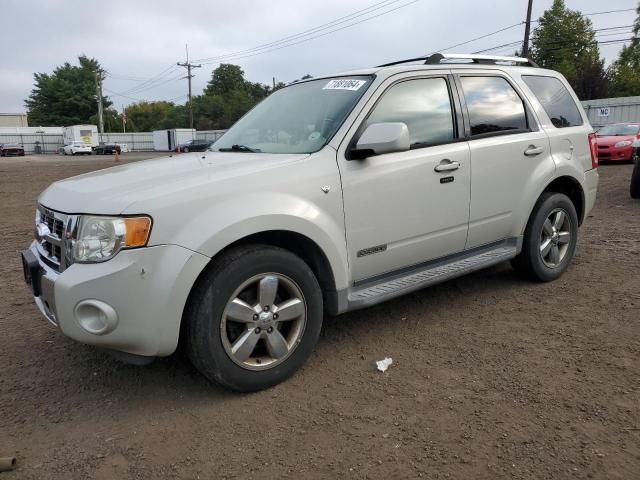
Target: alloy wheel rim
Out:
[263,322]
[555,238]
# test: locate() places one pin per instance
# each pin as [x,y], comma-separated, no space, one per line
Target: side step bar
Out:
[371,292]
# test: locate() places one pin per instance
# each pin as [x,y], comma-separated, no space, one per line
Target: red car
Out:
[615,141]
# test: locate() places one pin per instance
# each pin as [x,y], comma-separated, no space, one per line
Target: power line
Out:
[623,29]
[217,59]
[154,85]
[480,37]
[324,26]
[151,81]
[176,98]
[116,94]
[522,23]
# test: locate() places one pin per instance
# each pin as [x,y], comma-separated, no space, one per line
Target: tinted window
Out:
[555,99]
[423,105]
[493,104]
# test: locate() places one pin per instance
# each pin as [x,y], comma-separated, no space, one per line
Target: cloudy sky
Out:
[139,42]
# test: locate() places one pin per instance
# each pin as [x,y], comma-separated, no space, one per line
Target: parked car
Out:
[389,180]
[11,150]
[615,142]
[77,148]
[108,149]
[195,145]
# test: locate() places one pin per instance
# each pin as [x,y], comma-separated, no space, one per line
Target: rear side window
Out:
[555,99]
[423,105]
[493,105]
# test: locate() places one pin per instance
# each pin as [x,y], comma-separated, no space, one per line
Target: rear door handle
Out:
[447,165]
[532,150]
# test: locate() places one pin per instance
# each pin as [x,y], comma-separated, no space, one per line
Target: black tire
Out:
[204,313]
[185,150]
[530,262]
[634,189]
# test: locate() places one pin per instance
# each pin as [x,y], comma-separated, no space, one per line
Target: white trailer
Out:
[168,140]
[87,134]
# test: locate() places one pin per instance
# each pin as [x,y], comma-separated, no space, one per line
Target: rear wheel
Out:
[254,318]
[185,149]
[634,189]
[550,238]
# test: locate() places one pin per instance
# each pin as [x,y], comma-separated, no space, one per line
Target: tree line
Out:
[564,40]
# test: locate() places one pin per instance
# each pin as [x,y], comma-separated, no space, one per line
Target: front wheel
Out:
[185,150]
[254,318]
[550,238]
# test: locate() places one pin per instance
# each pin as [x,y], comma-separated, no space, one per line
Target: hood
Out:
[111,191]
[611,140]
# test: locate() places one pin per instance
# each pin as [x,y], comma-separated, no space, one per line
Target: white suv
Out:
[333,194]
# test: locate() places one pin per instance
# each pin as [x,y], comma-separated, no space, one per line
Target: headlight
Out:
[100,238]
[623,143]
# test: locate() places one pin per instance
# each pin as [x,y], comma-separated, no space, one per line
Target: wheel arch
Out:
[298,244]
[572,189]
[568,186]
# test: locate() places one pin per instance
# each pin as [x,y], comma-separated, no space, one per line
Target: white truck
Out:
[168,140]
[333,194]
[87,134]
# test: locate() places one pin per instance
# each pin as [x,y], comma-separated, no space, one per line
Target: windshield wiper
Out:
[240,148]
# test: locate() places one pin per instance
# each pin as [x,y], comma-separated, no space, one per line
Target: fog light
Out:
[96,317]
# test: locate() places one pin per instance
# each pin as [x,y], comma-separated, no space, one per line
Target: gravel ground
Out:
[493,377]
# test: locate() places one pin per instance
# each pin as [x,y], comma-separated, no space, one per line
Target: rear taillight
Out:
[593,148]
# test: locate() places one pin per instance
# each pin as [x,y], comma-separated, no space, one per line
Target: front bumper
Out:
[622,154]
[142,291]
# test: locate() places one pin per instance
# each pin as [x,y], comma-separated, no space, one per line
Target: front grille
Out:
[51,240]
[55,225]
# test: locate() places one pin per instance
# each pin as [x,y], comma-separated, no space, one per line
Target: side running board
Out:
[374,291]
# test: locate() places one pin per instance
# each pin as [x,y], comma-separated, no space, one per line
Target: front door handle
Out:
[447,165]
[532,150]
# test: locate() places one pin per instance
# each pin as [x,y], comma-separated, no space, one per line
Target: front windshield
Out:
[300,118]
[619,130]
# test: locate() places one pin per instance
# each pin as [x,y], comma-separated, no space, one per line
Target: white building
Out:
[13,120]
[612,110]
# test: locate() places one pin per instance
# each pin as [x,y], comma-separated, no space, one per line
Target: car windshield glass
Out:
[619,130]
[300,118]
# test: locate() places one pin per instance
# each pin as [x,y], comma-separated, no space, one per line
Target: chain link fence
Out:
[34,143]
[52,143]
[211,135]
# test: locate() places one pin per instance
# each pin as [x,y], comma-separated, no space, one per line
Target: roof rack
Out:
[437,59]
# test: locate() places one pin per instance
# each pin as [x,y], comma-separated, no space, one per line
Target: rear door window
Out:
[494,106]
[555,99]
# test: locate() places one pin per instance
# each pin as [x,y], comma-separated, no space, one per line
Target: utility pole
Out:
[124,119]
[99,78]
[527,31]
[189,76]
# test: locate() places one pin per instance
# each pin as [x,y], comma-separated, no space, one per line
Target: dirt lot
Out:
[493,377]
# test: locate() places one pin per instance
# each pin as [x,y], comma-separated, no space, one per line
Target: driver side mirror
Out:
[379,138]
